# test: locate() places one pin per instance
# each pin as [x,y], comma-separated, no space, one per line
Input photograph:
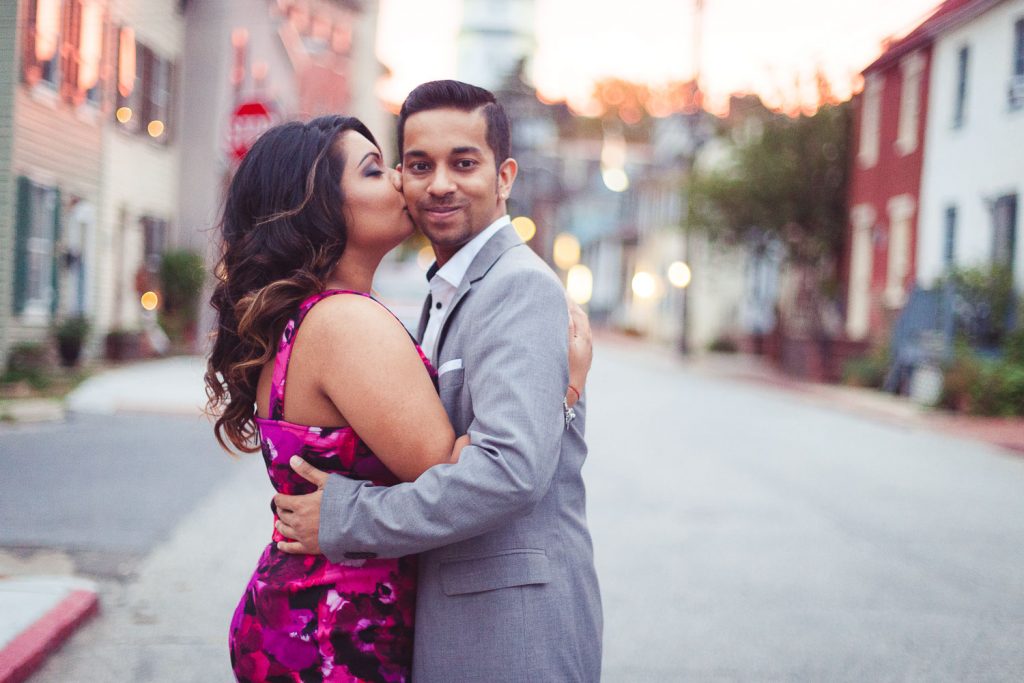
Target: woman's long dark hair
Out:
[282,234]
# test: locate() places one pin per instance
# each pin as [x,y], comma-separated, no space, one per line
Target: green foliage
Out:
[790,182]
[982,386]
[181,280]
[724,345]
[28,362]
[72,329]
[1013,346]
[985,299]
[867,371]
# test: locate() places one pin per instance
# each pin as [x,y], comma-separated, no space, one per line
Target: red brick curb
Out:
[26,652]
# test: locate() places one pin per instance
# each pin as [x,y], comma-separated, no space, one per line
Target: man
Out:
[507,588]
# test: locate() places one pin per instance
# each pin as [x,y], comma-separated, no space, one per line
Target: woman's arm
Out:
[370,371]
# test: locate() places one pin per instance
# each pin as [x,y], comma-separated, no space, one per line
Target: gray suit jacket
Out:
[507,587]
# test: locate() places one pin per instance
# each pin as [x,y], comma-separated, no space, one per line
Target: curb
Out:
[22,656]
[29,410]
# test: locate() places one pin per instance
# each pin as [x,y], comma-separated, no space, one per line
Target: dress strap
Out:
[287,343]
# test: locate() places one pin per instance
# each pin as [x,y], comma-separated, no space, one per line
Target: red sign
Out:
[248,122]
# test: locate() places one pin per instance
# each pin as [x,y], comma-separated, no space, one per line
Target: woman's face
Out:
[374,208]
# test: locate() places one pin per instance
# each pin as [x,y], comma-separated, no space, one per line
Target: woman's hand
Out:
[581,351]
[460,443]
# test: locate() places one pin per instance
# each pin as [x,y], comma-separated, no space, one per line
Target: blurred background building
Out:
[873,229]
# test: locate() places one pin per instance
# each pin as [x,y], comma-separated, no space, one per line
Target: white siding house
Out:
[973,177]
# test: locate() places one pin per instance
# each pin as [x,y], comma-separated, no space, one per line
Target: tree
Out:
[790,182]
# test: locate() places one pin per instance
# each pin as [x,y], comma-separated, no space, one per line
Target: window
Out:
[960,106]
[1018,48]
[911,69]
[1004,232]
[870,122]
[949,247]
[63,46]
[1016,90]
[144,81]
[37,231]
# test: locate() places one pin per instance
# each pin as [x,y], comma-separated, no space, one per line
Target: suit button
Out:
[360,556]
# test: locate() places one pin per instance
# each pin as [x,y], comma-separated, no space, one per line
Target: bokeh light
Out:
[579,283]
[566,251]
[150,301]
[645,285]
[679,274]
[525,227]
[124,114]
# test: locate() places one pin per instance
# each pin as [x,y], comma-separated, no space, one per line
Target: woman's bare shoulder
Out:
[351,322]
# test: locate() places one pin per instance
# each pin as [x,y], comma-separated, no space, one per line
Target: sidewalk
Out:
[1006,433]
[37,613]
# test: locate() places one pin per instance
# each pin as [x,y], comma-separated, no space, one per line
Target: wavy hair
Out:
[282,233]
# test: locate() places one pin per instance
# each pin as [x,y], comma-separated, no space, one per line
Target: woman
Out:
[309,215]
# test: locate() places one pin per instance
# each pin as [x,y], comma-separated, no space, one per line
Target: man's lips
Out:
[441,211]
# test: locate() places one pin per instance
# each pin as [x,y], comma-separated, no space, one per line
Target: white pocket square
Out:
[448,366]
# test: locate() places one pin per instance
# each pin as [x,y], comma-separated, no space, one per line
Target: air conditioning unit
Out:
[1015,92]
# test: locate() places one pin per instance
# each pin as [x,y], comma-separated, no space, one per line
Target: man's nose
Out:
[442,183]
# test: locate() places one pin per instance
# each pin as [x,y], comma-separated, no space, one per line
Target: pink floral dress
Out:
[303,618]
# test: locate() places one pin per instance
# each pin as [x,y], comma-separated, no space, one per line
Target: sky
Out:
[770,47]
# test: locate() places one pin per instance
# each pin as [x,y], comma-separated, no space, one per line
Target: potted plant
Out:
[123,344]
[71,334]
[182,274]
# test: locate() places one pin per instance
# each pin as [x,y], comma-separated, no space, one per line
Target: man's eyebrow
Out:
[415,153]
[466,150]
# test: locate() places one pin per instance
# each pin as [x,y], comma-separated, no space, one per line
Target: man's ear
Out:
[506,177]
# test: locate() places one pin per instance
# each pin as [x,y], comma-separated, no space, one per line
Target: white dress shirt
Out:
[445,282]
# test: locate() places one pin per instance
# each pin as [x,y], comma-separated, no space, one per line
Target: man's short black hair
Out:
[464,97]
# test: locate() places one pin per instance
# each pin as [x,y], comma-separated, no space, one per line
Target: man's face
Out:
[452,188]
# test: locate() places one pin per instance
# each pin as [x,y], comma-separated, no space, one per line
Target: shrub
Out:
[867,371]
[181,281]
[28,362]
[724,345]
[960,378]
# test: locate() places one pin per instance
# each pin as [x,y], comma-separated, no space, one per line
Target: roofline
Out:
[930,31]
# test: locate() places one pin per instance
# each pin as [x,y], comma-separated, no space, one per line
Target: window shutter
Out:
[30,71]
[22,229]
[57,230]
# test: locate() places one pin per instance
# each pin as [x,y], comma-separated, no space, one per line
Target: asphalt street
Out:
[742,533]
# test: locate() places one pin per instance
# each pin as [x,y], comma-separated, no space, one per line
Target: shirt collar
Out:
[455,269]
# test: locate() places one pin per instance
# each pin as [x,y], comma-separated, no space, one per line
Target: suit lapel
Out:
[502,241]
[424,319]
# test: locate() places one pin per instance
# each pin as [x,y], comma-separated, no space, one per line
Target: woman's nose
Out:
[396,179]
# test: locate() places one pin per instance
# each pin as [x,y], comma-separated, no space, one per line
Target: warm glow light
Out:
[124,114]
[90,45]
[645,285]
[424,257]
[155,129]
[150,301]
[566,251]
[525,227]
[579,283]
[615,179]
[47,29]
[679,274]
[126,62]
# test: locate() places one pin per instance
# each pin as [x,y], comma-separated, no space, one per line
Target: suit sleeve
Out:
[517,371]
